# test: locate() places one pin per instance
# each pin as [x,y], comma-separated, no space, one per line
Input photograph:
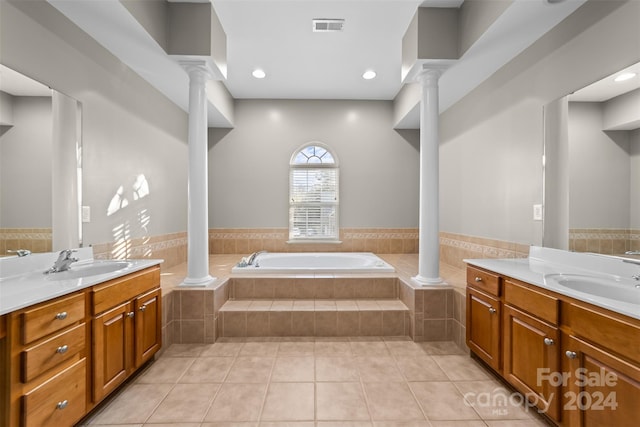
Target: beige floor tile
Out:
[468,423]
[420,368]
[289,402]
[402,424]
[441,348]
[259,348]
[165,370]
[186,403]
[227,424]
[286,424]
[378,369]
[442,401]
[344,424]
[336,369]
[340,401]
[133,405]
[392,401]
[237,402]
[223,349]
[305,348]
[293,369]
[461,368]
[250,370]
[207,370]
[404,348]
[537,422]
[186,350]
[369,348]
[493,401]
[332,348]
[170,425]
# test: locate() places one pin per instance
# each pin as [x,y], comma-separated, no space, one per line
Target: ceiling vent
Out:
[327,25]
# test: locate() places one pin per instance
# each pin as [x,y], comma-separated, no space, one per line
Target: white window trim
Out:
[335,165]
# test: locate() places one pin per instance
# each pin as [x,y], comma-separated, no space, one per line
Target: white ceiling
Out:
[276,36]
[17,84]
[608,88]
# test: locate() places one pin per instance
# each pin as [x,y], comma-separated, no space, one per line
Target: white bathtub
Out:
[315,262]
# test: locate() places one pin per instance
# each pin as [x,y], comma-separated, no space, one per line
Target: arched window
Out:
[313,194]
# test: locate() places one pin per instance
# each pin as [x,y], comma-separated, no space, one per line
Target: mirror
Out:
[592,167]
[40,166]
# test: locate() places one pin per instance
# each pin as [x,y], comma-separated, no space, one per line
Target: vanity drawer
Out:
[541,305]
[59,402]
[51,317]
[46,355]
[123,289]
[483,280]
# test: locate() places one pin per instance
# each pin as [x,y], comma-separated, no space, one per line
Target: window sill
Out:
[313,241]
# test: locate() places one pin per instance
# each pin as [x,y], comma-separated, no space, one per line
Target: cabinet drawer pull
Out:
[62,349]
[62,405]
[62,315]
[131,314]
[492,310]
[549,341]
[478,279]
[143,307]
[571,354]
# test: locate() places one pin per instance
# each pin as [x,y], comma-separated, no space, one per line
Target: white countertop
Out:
[22,282]
[545,261]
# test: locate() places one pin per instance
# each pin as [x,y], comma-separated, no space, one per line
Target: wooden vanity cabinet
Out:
[126,328]
[579,362]
[531,345]
[484,314]
[47,355]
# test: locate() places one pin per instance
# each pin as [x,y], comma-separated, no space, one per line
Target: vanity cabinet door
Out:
[531,359]
[601,388]
[483,327]
[112,349]
[148,325]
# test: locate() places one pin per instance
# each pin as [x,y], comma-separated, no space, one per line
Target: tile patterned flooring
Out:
[323,382]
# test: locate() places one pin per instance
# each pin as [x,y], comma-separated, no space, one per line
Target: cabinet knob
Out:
[62,405]
[62,315]
[62,349]
[478,279]
[549,341]
[571,354]
[143,307]
[492,310]
[131,314]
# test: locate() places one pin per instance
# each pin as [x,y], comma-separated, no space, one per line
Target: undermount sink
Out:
[94,268]
[612,288]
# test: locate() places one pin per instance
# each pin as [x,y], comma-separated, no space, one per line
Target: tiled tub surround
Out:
[191,315]
[604,241]
[31,239]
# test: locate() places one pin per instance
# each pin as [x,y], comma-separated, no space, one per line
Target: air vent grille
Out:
[324,25]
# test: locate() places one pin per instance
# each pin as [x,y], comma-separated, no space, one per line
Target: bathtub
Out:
[315,262]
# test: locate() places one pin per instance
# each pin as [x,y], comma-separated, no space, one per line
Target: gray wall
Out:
[25,165]
[249,165]
[492,140]
[129,129]
[634,154]
[599,170]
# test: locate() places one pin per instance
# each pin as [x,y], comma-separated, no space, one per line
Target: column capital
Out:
[430,73]
[196,67]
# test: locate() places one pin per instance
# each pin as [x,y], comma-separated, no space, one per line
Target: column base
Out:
[197,282]
[429,281]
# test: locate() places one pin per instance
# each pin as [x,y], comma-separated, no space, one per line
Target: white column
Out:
[429,240]
[198,210]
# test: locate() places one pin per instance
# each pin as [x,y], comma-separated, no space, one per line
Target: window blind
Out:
[313,203]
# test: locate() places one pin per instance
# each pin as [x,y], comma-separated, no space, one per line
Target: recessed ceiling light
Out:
[369,74]
[259,73]
[624,76]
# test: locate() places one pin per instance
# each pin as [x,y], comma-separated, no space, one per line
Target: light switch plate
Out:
[86,214]
[537,212]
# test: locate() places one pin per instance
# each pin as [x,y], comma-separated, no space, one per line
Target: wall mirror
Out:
[592,167]
[40,166]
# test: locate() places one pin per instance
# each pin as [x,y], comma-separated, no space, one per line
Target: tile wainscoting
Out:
[31,239]
[377,240]
[172,248]
[604,241]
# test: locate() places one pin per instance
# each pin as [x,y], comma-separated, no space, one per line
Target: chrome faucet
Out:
[20,252]
[253,256]
[63,262]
